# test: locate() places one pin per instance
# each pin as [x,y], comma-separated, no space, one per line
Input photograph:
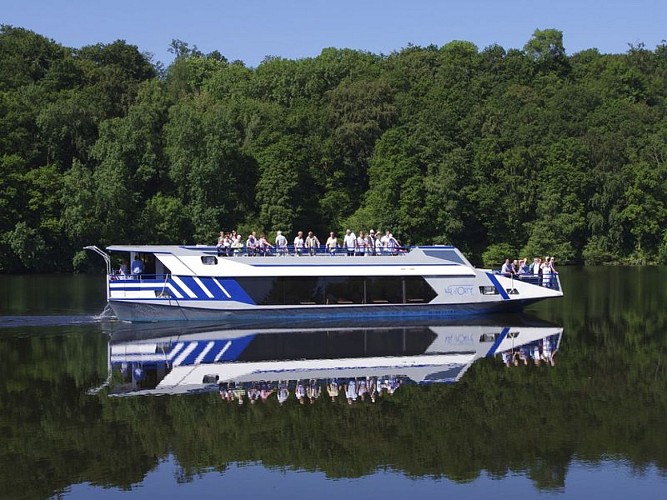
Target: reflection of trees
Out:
[606,397]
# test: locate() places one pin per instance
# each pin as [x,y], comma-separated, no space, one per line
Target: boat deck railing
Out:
[551,280]
[321,250]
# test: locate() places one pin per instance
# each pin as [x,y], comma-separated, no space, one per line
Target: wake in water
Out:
[56,320]
[23,321]
[106,314]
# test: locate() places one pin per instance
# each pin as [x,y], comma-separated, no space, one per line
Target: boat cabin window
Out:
[337,290]
[449,254]
[209,260]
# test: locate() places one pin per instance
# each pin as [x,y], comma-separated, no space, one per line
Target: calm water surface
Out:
[592,425]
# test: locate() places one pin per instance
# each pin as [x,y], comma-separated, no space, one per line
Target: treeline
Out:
[504,153]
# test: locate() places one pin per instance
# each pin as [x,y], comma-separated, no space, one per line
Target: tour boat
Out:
[181,359]
[198,283]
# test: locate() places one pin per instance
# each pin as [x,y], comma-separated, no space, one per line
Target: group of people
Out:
[540,270]
[366,243]
[353,390]
[135,270]
[539,352]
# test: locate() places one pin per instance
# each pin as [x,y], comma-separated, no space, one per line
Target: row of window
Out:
[337,290]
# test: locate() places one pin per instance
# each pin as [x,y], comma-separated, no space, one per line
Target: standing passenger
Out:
[298,243]
[332,243]
[251,244]
[281,243]
[361,244]
[371,241]
[312,243]
[546,272]
[350,242]
[137,267]
[264,245]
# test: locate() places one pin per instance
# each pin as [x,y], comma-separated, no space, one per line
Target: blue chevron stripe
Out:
[231,352]
[496,344]
[496,283]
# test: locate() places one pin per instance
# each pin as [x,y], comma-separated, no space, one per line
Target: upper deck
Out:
[207,261]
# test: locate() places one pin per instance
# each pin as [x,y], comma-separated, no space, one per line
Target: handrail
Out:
[104,255]
[107,260]
[321,250]
[551,280]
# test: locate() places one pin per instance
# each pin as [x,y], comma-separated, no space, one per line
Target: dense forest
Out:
[502,152]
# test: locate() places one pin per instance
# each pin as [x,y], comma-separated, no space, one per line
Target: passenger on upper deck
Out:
[281,243]
[350,242]
[392,244]
[220,244]
[361,244]
[332,243]
[251,244]
[263,245]
[371,241]
[237,246]
[379,246]
[298,243]
[312,243]
[507,269]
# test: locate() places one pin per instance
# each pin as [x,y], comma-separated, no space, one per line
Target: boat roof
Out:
[439,252]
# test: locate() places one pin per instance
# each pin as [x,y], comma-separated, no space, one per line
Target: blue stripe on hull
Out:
[221,350]
[218,288]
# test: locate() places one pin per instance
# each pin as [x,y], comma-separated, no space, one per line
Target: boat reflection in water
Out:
[359,362]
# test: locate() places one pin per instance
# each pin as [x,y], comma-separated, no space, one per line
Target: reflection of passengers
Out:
[362,389]
[508,357]
[253,394]
[351,391]
[265,391]
[548,351]
[392,384]
[300,392]
[537,357]
[372,388]
[332,389]
[524,354]
[238,394]
[283,393]
[313,391]
[225,394]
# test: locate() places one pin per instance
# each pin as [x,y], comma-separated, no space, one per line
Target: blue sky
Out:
[249,30]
